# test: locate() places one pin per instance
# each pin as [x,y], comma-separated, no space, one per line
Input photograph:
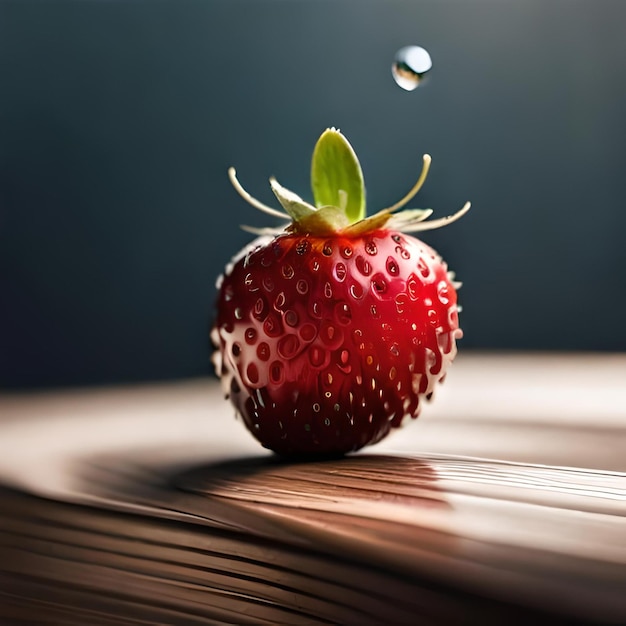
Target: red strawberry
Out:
[330,333]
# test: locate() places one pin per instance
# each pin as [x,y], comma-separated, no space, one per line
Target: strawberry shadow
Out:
[154,480]
[360,476]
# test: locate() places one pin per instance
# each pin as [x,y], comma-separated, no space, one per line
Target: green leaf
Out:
[327,220]
[336,176]
[295,206]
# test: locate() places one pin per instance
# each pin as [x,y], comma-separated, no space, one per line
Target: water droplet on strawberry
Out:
[288,346]
[410,66]
[392,266]
[344,362]
[356,291]
[343,314]
[370,248]
[261,309]
[277,372]
[413,287]
[403,252]
[442,292]
[268,283]
[252,373]
[401,303]
[363,265]
[302,287]
[302,247]
[423,268]
[379,284]
[263,351]
[340,272]
[433,318]
[315,309]
[308,332]
[291,318]
[272,326]
[331,335]
[250,335]
[317,356]
[250,283]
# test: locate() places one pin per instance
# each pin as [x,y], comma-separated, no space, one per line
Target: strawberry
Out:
[331,330]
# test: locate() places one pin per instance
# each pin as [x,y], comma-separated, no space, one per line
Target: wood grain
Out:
[152,504]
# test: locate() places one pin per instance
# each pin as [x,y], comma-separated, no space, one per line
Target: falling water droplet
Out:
[410,66]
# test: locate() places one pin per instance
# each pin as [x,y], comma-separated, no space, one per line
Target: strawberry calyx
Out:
[339,195]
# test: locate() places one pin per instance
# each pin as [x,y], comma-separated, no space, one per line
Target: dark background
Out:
[118,121]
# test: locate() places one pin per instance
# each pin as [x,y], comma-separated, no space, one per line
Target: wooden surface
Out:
[504,503]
